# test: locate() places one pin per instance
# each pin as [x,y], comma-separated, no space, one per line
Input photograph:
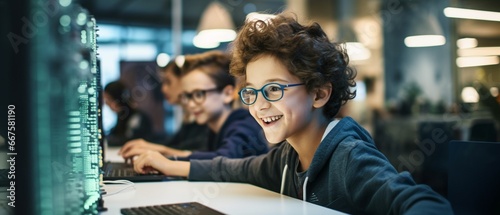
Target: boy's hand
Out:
[155,161]
[151,161]
[137,147]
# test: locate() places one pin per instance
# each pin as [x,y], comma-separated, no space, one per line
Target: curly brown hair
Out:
[303,49]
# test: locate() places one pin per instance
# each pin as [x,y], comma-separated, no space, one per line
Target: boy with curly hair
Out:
[295,81]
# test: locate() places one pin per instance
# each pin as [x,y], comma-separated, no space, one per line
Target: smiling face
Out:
[214,107]
[289,118]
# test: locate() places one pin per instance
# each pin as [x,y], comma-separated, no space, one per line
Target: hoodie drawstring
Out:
[283,178]
[304,187]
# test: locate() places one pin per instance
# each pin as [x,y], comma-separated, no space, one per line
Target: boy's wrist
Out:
[169,152]
[185,153]
[178,168]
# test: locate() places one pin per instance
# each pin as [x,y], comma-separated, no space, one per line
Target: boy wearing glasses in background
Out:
[208,91]
[190,135]
[295,83]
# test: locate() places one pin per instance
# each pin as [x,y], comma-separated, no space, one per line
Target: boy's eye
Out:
[273,88]
[198,94]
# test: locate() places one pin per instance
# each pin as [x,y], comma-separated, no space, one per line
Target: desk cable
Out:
[124,182]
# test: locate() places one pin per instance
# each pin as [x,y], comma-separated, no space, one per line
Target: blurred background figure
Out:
[190,135]
[208,96]
[130,122]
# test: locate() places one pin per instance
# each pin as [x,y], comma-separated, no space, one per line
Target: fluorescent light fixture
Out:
[470,95]
[205,43]
[481,51]
[216,26]
[259,16]
[179,60]
[467,43]
[425,40]
[461,13]
[424,31]
[477,61]
[357,51]
[162,59]
[219,35]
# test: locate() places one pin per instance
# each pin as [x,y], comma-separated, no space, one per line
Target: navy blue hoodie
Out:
[240,136]
[347,174]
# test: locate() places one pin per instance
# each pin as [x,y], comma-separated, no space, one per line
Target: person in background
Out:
[295,83]
[208,96]
[130,122]
[190,136]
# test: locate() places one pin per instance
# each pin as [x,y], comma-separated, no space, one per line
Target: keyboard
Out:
[122,171]
[188,208]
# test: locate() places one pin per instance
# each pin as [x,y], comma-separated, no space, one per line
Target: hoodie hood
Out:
[345,129]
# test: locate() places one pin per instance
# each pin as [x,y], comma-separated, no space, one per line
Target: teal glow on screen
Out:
[65,81]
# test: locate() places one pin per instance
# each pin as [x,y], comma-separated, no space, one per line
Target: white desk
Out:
[111,154]
[229,198]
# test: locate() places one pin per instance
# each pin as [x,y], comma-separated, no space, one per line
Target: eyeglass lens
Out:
[271,92]
[198,96]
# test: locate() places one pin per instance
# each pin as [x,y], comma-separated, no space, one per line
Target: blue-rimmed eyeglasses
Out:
[198,96]
[272,92]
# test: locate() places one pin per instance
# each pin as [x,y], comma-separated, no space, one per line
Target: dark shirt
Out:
[240,136]
[190,136]
[136,125]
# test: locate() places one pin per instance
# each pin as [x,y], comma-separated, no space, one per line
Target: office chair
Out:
[433,139]
[483,130]
[474,177]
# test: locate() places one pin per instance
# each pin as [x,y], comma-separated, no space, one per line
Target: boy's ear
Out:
[322,95]
[228,93]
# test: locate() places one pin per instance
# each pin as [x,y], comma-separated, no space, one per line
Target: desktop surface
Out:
[228,198]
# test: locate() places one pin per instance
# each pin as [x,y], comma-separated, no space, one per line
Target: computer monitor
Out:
[54,94]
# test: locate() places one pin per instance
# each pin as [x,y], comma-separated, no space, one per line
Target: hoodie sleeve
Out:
[374,186]
[257,170]
[240,139]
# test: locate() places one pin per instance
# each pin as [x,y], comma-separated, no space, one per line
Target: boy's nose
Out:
[261,103]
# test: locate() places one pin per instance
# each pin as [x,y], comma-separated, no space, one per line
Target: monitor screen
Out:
[58,127]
